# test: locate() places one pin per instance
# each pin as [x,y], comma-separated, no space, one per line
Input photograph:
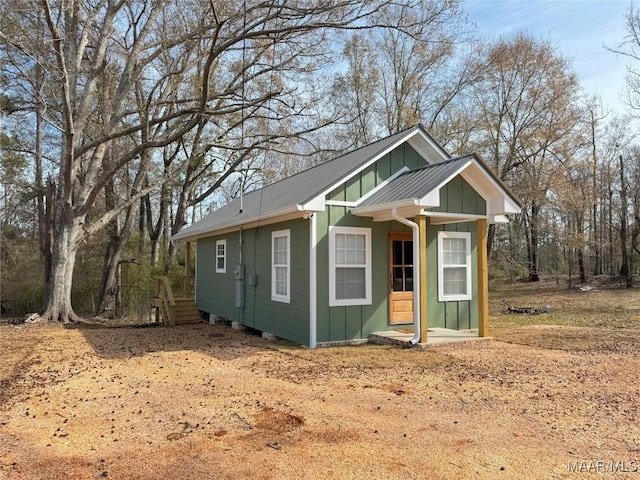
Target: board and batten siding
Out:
[458,315]
[458,196]
[455,197]
[357,321]
[216,292]
[376,173]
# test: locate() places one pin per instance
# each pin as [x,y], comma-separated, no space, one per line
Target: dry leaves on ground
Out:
[205,401]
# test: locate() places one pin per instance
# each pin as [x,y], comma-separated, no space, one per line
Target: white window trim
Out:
[453,298]
[274,296]
[224,257]
[333,301]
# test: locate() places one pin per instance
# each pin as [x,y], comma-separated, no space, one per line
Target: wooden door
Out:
[400,278]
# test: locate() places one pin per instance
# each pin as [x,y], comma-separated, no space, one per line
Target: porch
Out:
[180,307]
[435,336]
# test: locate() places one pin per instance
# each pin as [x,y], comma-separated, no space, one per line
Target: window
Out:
[280,266]
[349,266]
[221,256]
[454,266]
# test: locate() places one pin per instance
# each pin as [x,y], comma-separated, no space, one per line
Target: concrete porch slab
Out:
[435,336]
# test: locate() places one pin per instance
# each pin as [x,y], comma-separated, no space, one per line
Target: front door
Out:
[400,278]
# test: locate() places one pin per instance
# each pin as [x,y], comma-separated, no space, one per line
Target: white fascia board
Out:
[316,204]
[431,199]
[425,146]
[443,218]
[501,205]
[498,201]
[499,219]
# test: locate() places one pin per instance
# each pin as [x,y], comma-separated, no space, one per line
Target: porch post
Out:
[483,278]
[423,223]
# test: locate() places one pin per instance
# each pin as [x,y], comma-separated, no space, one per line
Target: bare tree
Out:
[527,99]
[87,41]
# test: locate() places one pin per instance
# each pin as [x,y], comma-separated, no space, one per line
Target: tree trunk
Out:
[491,235]
[110,280]
[532,247]
[68,235]
[580,246]
[625,269]
[583,275]
[108,304]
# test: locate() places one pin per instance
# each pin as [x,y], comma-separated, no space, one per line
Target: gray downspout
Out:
[416,278]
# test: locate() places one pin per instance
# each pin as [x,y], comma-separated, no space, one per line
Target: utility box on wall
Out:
[238,271]
[239,274]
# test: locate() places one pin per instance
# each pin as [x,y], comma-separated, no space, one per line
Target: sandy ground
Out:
[208,402]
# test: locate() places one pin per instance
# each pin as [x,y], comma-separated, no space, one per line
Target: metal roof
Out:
[291,193]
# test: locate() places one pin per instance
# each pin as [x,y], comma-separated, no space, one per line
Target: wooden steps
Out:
[186,311]
[171,310]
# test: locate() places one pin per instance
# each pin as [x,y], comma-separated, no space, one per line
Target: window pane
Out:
[281,280]
[396,249]
[397,281]
[350,283]
[454,251]
[350,241]
[408,252]
[220,263]
[280,250]
[408,279]
[454,281]
[348,251]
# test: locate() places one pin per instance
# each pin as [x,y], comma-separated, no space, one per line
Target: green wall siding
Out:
[461,315]
[353,322]
[372,176]
[459,197]
[216,292]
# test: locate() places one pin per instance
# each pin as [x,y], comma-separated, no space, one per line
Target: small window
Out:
[280,266]
[221,256]
[454,266]
[349,266]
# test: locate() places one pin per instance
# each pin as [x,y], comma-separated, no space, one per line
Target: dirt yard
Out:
[551,396]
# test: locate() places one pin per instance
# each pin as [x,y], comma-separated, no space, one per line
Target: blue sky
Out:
[579,29]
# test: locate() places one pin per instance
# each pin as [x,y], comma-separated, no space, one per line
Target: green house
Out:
[391,236]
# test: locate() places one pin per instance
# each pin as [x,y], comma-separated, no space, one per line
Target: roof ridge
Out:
[368,145]
[444,162]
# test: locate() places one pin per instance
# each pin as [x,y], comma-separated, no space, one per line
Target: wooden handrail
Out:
[165,294]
